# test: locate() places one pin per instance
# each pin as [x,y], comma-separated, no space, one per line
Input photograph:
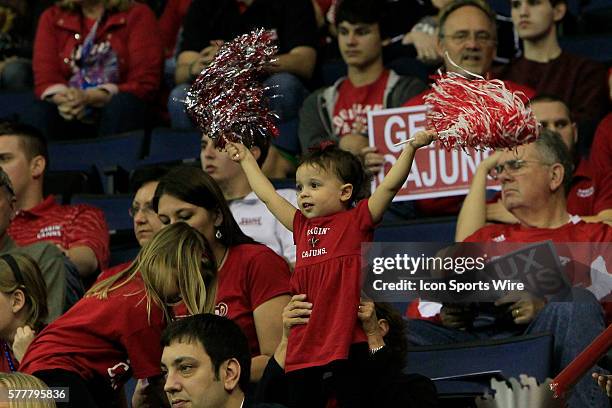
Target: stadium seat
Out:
[430,230]
[64,184]
[467,368]
[123,248]
[115,209]
[172,146]
[113,156]
[123,244]
[595,47]
[14,104]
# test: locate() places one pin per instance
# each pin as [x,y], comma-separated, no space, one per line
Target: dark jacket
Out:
[318,109]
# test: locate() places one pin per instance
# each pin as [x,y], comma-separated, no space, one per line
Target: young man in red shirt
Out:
[339,112]
[79,231]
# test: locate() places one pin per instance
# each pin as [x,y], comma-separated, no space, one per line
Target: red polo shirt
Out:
[66,225]
[582,194]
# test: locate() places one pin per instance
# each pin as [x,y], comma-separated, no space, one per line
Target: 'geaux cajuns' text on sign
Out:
[435,172]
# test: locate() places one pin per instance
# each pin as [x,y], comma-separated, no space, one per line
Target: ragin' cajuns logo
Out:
[119,373]
[221,309]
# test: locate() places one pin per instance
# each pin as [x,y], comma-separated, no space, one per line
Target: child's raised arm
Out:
[282,209]
[391,184]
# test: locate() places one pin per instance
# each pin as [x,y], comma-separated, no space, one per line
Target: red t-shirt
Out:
[452,204]
[328,271]
[66,225]
[574,231]
[113,270]
[102,338]
[170,24]
[600,160]
[354,103]
[251,275]
[582,194]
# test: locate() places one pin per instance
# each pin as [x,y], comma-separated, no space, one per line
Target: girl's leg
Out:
[353,381]
[306,388]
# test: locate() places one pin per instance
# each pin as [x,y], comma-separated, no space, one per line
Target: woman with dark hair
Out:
[23,307]
[96,65]
[253,285]
[379,379]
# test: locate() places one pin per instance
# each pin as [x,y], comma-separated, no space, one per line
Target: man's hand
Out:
[457,316]
[84,258]
[497,212]
[490,162]
[149,393]
[604,382]
[207,55]
[354,143]
[425,46]
[367,315]
[23,338]
[296,312]
[372,160]
[523,306]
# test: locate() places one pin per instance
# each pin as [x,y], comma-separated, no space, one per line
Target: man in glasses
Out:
[535,179]
[545,67]
[586,197]
[467,42]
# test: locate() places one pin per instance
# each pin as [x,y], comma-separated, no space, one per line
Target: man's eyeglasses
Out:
[462,37]
[511,167]
[146,210]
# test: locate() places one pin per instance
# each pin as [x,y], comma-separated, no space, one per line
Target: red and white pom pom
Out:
[478,113]
[227,101]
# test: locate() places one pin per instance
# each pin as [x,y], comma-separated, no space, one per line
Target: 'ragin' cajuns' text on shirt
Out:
[313,240]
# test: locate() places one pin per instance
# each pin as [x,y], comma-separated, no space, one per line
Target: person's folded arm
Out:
[299,61]
[46,61]
[145,56]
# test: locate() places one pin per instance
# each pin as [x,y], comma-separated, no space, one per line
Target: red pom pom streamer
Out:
[227,101]
[478,113]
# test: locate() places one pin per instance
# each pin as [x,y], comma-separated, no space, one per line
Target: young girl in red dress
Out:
[114,332]
[328,230]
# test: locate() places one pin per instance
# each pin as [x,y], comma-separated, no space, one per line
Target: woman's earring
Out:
[218,234]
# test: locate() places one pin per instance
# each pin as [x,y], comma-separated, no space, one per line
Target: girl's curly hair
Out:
[345,165]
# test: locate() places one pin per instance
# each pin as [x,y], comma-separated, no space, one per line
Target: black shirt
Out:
[292,20]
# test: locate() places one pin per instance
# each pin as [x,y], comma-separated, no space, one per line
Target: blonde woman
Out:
[20,381]
[253,286]
[23,307]
[114,332]
[96,64]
